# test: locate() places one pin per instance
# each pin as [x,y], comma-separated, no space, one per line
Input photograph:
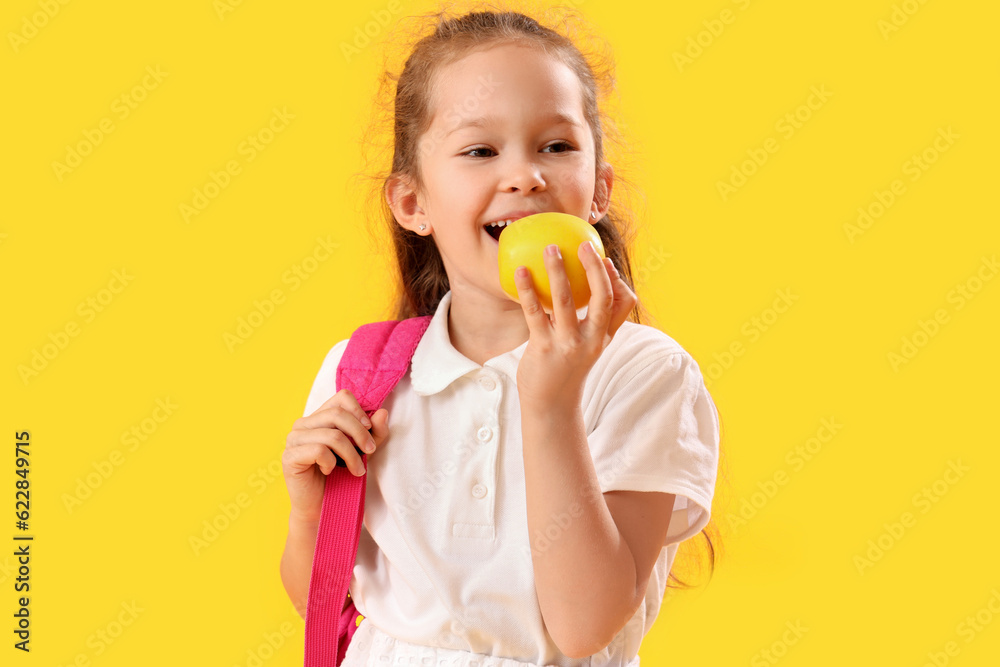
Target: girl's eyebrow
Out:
[557,118]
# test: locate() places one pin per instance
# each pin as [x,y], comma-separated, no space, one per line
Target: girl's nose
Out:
[523,175]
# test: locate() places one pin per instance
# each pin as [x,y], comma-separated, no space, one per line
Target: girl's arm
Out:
[296,561]
[589,578]
[588,581]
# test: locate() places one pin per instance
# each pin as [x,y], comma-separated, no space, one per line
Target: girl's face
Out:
[496,148]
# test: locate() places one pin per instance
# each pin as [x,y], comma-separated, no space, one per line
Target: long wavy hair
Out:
[414,51]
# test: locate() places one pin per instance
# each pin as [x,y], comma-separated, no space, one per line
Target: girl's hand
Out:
[314,443]
[562,348]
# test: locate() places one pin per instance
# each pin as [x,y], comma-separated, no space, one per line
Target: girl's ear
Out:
[602,189]
[403,201]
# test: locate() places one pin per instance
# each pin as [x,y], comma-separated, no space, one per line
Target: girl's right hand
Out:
[314,443]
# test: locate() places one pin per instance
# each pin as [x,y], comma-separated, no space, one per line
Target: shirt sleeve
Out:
[325,384]
[659,431]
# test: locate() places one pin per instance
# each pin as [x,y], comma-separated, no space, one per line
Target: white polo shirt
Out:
[444,558]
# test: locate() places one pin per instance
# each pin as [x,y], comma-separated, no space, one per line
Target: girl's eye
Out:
[568,146]
[481,148]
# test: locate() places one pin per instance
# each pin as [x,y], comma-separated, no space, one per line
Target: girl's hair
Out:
[402,115]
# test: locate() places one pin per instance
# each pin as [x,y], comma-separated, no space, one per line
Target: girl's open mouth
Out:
[496,230]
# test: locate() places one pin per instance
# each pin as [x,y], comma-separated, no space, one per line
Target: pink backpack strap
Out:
[377,356]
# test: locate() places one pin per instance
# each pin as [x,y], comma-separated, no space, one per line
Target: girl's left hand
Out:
[562,348]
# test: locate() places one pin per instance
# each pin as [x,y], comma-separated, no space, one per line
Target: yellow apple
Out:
[523,244]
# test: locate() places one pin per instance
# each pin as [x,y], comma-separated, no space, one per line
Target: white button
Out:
[485,433]
[479,491]
[487,383]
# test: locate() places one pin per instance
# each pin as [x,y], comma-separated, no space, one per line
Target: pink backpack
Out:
[376,358]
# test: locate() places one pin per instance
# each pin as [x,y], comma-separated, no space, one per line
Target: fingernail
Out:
[553,251]
[367,422]
[370,446]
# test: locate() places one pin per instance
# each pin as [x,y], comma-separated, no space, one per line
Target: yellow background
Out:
[794,561]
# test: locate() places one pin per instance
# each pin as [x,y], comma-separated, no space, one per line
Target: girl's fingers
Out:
[624,298]
[380,425]
[337,439]
[562,293]
[602,290]
[534,314]
[346,400]
[348,418]
[300,459]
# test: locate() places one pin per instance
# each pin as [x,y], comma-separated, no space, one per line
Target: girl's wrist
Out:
[556,410]
[302,521]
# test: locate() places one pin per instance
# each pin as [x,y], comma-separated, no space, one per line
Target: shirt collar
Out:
[436,363]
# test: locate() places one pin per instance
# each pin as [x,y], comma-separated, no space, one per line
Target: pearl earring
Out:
[423,227]
[593,215]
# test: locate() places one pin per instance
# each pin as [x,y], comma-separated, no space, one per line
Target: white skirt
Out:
[370,647]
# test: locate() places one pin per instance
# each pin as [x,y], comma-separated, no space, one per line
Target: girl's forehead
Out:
[509,61]
[490,81]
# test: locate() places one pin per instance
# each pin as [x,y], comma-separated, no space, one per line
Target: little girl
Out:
[531,477]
